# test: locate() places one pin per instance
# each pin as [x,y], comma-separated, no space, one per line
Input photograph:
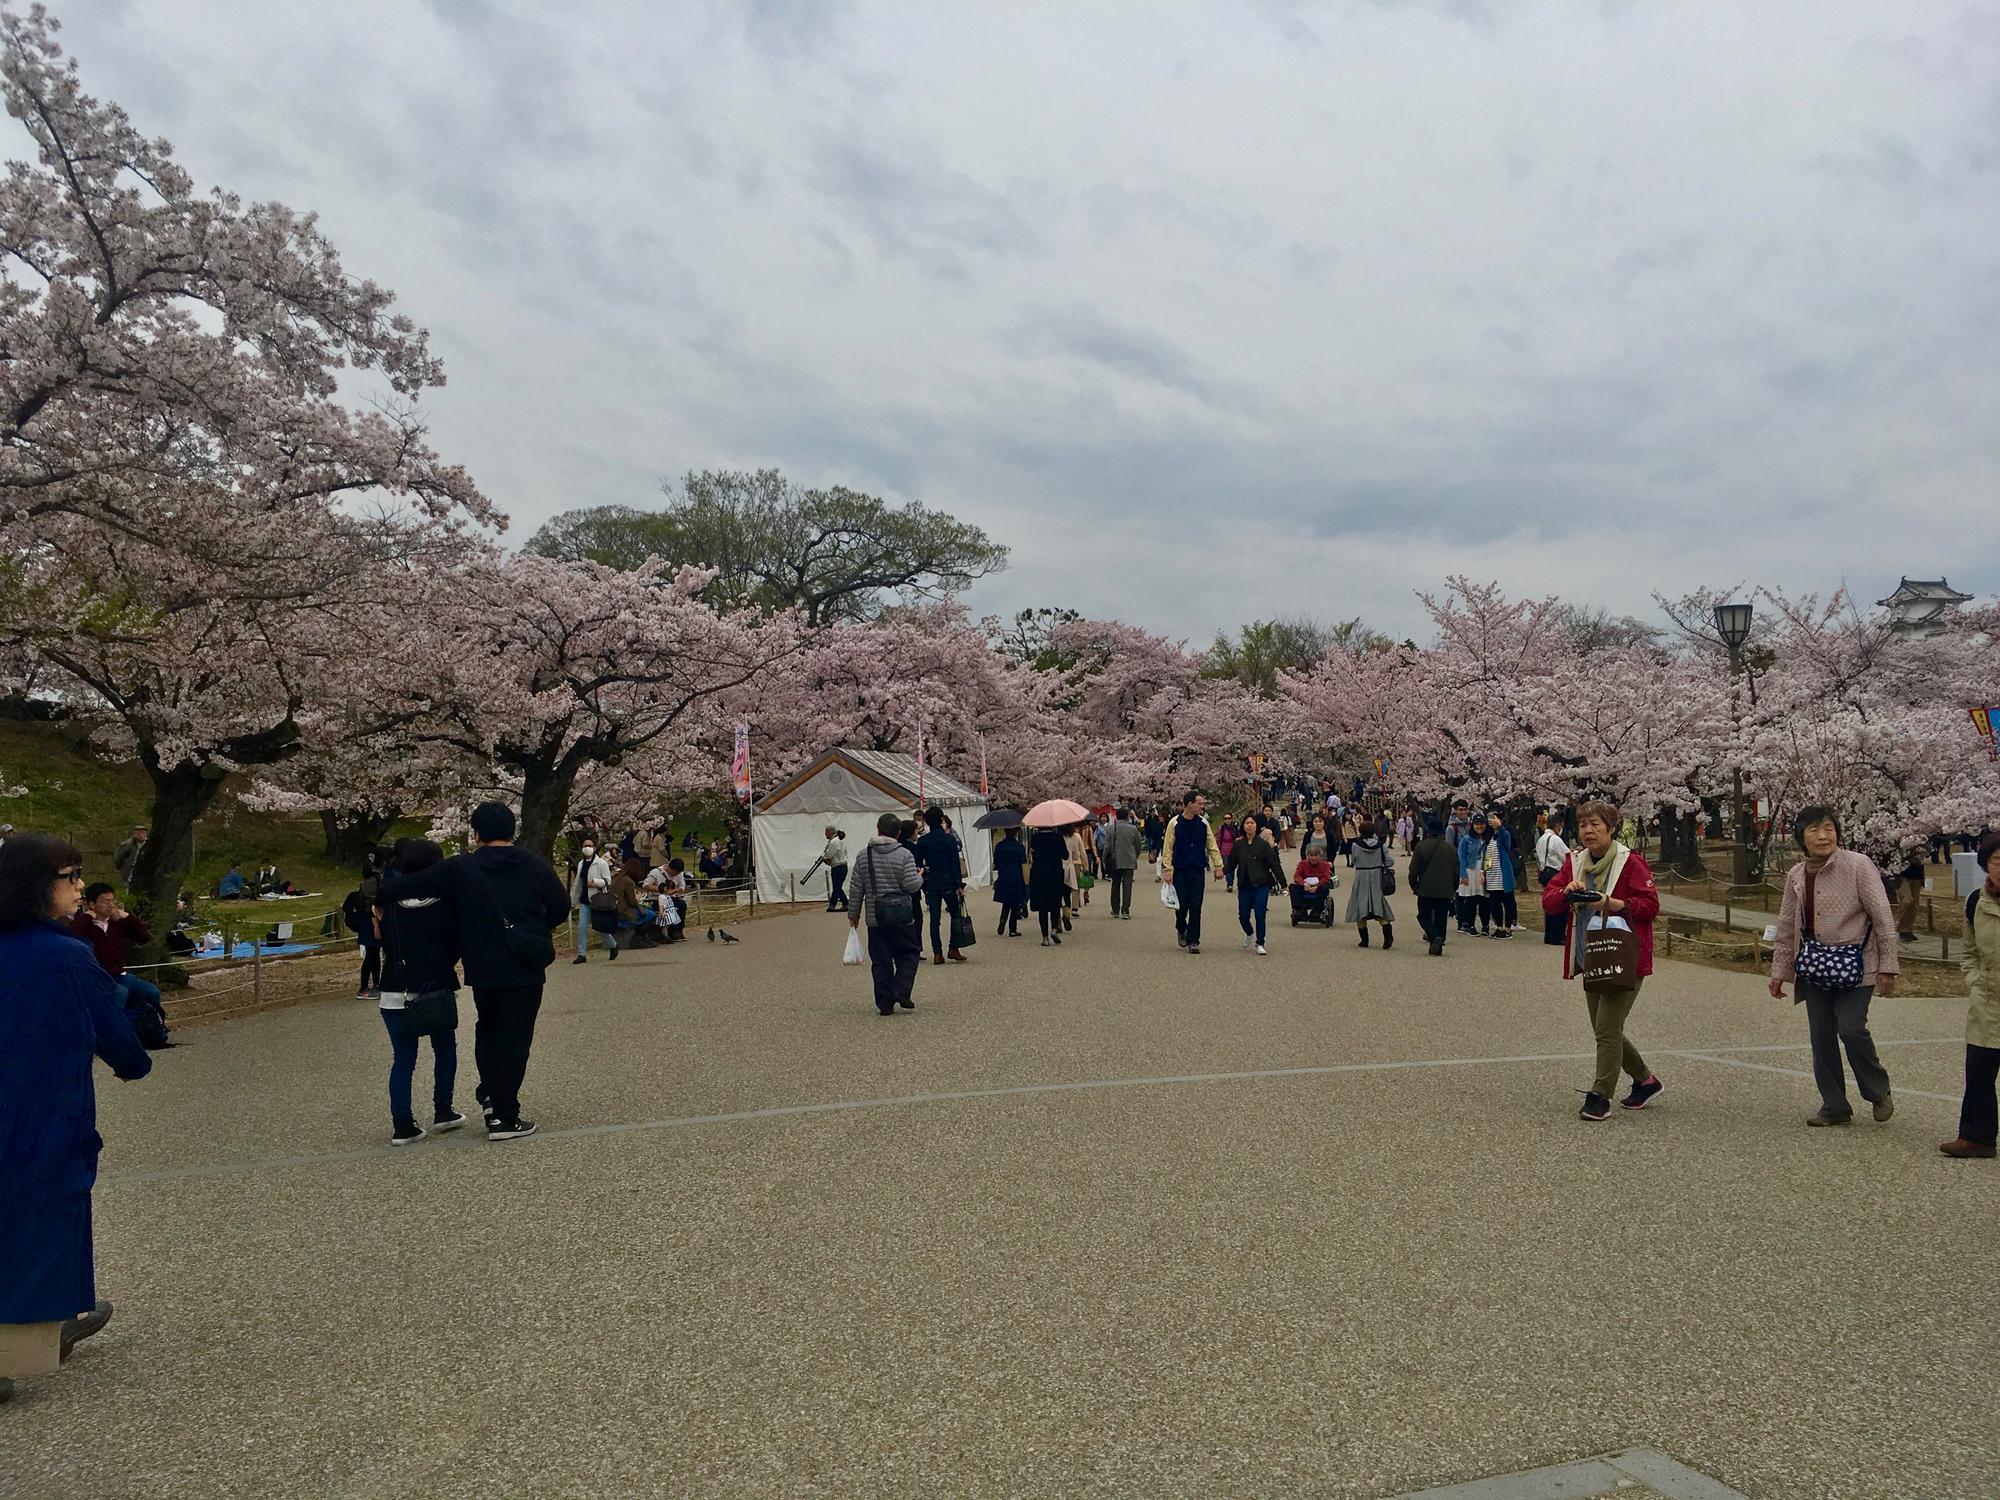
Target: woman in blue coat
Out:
[58,1009]
[1508,915]
[1010,881]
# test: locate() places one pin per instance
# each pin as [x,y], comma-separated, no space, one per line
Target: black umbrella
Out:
[1000,817]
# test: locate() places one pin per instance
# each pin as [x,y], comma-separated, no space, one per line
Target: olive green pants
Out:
[1608,1010]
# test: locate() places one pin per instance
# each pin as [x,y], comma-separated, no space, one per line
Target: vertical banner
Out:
[739,764]
[983,792]
[1986,720]
[921,803]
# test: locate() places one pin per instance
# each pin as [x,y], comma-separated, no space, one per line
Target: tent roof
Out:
[888,772]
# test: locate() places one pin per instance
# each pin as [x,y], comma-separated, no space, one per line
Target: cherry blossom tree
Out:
[189,518]
[547,667]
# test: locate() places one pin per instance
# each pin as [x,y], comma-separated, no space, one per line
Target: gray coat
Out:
[1365,898]
[884,865]
[1121,851]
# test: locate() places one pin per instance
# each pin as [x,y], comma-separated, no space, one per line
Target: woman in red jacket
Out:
[1606,877]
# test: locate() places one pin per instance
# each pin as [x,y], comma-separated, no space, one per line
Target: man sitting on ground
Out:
[111,932]
[232,886]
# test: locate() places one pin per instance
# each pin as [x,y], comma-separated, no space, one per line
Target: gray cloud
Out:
[1205,319]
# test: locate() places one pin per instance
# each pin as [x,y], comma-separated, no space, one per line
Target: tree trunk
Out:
[1680,844]
[545,791]
[181,794]
[350,835]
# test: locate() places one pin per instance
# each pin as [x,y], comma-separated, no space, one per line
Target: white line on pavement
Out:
[782,1111]
[1737,1062]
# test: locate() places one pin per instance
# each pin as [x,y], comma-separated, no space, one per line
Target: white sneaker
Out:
[1246,945]
[1260,950]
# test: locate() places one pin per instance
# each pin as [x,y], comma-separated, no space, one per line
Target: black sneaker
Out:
[1642,1094]
[614,957]
[509,1130]
[407,1135]
[907,1004]
[1595,1107]
[448,1122]
[579,959]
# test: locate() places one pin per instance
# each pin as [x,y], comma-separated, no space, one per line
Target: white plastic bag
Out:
[1169,897]
[855,952]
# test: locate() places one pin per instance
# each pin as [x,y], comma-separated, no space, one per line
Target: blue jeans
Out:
[582,929]
[940,902]
[402,1069]
[1253,898]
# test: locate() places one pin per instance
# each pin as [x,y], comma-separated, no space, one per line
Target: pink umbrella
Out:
[1058,813]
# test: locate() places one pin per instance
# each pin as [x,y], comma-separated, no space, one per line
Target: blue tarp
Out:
[249,950]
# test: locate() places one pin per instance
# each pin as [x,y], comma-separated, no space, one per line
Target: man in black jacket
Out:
[940,858]
[505,901]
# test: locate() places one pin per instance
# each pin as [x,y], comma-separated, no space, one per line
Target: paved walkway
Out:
[1097,1220]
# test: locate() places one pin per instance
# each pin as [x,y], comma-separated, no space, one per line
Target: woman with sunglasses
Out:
[58,1009]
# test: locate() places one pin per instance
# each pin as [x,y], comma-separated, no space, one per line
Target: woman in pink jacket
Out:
[1837,938]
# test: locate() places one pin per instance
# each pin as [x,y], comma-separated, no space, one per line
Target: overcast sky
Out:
[1209,312]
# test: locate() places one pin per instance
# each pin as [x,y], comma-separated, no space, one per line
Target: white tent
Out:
[849,790]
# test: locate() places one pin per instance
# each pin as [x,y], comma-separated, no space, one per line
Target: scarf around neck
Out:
[1597,872]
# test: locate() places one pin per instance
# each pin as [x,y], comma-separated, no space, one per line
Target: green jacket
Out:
[1981,962]
[1433,869]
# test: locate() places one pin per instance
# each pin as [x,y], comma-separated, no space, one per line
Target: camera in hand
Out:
[1584,898]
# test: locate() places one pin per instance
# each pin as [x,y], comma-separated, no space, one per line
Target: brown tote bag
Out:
[1608,957]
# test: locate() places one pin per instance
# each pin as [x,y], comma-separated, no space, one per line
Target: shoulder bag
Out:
[896,908]
[1827,966]
[432,1011]
[533,947]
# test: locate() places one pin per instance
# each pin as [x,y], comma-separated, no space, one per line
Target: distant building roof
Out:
[1924,591]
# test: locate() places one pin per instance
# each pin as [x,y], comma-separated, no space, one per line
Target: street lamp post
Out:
[1732,623]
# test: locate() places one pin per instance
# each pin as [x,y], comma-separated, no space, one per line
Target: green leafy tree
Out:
[1030,638]
[1294,643]
[831,553]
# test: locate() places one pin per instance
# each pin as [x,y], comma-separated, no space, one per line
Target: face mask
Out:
[588,851]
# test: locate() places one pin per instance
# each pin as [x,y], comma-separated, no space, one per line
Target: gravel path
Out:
[1102,1220]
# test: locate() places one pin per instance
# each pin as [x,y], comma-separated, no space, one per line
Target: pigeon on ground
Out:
[711,934]
[728,939]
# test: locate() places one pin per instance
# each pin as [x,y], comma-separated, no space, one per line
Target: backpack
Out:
[356,913]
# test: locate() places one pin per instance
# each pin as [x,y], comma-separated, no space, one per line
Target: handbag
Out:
[432,1011]
[1828,966]
[963,933]
[1388,877]
[602,903]
[1085,881]
[892,908]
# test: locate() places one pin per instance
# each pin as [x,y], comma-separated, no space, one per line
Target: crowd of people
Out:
[493,912]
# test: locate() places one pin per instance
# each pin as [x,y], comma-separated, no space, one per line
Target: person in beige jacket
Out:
[1836,896]
[1979,1115]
